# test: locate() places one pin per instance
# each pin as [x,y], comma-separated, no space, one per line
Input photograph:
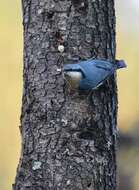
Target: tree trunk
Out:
[68,140]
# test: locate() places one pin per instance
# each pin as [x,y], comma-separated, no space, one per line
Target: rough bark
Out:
[68,140]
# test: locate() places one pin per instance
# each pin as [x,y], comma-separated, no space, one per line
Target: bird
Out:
[91,73]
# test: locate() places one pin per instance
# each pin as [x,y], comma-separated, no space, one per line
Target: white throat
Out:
[75,75]
[73,78]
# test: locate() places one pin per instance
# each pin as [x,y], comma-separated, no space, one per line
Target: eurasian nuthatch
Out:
[90,74]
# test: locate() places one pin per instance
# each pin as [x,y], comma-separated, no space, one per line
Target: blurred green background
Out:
[11,47]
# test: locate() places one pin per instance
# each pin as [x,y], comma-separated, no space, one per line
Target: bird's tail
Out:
[120,64]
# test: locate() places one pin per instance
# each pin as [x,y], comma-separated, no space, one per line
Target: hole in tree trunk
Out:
[57,35]
[89,184]
[52,102]
[87,135]
[50,14]
[80,5]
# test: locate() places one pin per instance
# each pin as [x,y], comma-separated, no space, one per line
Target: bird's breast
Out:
[73,78]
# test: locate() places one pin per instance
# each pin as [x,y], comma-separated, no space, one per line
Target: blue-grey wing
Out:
[96,73]
[97,69]
[86,84]
[94,82]
[106,65]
